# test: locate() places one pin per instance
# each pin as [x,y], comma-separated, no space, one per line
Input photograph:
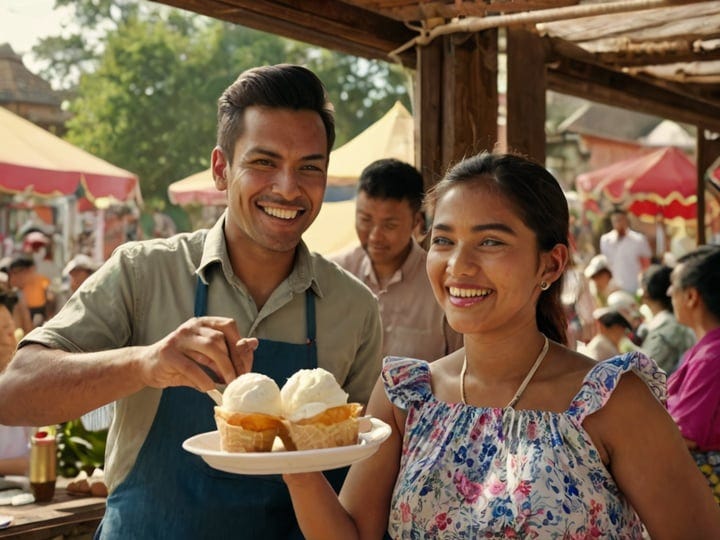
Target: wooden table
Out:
[67,516]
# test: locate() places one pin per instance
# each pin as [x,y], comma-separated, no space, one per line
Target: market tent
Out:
[334,228]
[660,182]
[198,188]
[35,161]
[392,136]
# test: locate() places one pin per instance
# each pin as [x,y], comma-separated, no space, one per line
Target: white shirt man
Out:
[628,252]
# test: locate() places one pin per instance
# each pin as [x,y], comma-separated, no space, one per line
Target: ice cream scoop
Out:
[252,393]
[309,392]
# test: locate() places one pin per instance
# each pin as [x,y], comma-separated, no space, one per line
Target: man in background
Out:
[392,264]
[628,252]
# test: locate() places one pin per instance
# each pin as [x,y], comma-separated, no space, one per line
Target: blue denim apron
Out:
[170,493]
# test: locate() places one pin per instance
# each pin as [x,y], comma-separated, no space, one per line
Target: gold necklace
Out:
[523,385]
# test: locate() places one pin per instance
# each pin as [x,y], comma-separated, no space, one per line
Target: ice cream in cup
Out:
[249,418]
[316,413]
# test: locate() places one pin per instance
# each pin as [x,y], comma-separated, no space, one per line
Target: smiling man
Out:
[164,318]
[391,263]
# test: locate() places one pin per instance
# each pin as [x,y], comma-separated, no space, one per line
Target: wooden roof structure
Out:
[659,57]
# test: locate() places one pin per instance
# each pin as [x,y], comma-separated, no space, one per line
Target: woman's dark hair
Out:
[540,204]
[284,86]
[701,270]
[655,284]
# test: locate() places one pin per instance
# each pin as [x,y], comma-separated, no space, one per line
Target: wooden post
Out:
[526,84]
[458,96]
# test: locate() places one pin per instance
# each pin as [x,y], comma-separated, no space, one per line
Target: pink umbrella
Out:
[661,182]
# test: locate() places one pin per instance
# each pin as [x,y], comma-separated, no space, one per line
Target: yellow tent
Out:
[334,228]
[393,136]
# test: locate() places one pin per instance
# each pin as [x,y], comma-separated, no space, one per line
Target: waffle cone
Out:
[246,432]
[337,426]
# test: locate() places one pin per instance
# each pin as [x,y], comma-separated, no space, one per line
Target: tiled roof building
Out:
[27,94]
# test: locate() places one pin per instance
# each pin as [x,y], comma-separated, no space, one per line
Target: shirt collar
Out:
[413,257]
[302,276]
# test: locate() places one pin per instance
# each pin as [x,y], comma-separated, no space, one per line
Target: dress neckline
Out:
[523,384]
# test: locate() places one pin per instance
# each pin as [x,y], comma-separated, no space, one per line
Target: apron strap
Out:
[201,295]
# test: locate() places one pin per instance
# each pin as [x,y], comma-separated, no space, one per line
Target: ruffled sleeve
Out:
[406,380]
[602,379]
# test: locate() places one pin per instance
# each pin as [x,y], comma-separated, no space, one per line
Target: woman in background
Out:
[666,339]
[694,389]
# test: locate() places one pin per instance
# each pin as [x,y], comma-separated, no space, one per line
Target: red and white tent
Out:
[37,162]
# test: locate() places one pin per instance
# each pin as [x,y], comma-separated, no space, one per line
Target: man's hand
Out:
[213,342]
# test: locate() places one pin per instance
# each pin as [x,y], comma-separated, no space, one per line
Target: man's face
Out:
[276,182]
[619,223]
[384,228]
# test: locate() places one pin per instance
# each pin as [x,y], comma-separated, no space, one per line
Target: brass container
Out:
[43,466]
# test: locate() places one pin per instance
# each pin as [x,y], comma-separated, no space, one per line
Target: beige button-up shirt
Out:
[413,323]
[147,289]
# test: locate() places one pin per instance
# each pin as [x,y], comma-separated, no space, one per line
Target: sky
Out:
[24,22]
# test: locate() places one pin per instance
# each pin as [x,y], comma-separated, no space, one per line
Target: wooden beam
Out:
[526,84]
[325,23]
[604,85]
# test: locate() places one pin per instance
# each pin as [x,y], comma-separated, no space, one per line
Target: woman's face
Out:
[483,263]
[677,296]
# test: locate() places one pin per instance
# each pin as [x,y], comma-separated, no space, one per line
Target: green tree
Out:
[149,78]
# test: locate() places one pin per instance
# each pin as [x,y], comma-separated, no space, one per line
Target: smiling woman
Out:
[503,437]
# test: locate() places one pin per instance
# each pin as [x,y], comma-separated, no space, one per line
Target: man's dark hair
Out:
[701,270]
[284,86]
[393,179]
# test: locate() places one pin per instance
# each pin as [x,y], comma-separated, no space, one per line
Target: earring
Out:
[544,285]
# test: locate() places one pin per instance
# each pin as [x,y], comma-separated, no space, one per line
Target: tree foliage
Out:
[146,78]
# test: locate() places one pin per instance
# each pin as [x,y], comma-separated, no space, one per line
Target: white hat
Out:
[80,261]
[624,303]
[597,264]
[613,316]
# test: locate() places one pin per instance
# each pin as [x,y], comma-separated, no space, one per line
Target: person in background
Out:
[625,304]
[579,304]
[392,264]
[694,388]
[78,269]
[666,340]
[600,280]
[611,328]
[628,252]
[165,320]
[14,440]
[20,311]
[515,436]
[35,287]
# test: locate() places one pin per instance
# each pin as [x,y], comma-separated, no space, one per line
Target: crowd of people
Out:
[513,377]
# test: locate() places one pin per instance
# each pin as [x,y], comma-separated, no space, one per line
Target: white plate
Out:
[207,446]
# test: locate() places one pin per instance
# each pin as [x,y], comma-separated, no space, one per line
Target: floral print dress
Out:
[475,472]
